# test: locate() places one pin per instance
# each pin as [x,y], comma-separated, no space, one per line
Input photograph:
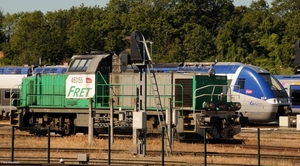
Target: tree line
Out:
[181,31]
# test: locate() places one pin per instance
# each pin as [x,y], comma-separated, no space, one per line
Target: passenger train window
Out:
[296,96]
[46,71]
[14,71]
[53,71]
[63,70]
[241,83]
[274,84]
[18,71]
[38,71]
[14,94]
[10,71]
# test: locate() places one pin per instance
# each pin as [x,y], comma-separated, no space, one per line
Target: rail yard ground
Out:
[284,142]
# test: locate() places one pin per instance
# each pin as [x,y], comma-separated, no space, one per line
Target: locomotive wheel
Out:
[215,133]
[227,132]
[67,130]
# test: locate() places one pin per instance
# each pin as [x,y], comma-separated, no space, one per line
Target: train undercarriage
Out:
[191,126]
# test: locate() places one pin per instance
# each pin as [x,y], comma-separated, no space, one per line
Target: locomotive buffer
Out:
[141,58]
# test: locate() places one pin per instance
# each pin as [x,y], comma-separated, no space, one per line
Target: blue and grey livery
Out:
[291,84]
[262,96]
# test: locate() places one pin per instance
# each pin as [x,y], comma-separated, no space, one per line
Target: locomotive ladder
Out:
[159,107]
[156,96]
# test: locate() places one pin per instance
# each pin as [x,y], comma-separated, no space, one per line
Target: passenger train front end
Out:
[262,96]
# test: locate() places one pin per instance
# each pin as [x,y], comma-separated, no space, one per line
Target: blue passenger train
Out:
[262,96]
[291,84]
[50,70]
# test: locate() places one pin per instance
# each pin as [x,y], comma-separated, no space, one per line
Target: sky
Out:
[14,6]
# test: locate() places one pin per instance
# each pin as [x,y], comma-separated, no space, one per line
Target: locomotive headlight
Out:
[212,106]
[238,106]
[233,107]
[205,105]
[288,101]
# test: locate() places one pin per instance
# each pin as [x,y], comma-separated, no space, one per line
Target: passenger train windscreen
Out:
[275,85]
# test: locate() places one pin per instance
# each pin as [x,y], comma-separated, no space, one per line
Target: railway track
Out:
[150,160]
[180,153]
[262,147]
[147,161]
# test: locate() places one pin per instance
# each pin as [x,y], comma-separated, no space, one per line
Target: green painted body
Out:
[208,89]
[48,91]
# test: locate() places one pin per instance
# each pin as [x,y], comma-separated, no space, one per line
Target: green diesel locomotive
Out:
[61,101]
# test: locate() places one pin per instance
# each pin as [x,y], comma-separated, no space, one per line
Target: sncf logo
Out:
[88,80]
[248,91]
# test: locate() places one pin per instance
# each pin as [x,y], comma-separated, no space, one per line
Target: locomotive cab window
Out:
[80,64]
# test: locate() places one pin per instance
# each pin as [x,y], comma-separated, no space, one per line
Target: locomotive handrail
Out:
[11,113]
[98,72]
[123,95]
[11,95]
[212,94]
[220,95]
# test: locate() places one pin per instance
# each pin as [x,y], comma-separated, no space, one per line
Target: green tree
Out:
[3,36]
[198,43]
[56,49]
[84,34]
[288,13]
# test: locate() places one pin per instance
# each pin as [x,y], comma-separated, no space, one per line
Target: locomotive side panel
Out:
[51,90]
[125,88]
[48,91]
[208,90]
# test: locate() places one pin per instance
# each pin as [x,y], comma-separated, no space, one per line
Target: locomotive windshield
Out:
[274,84]
[80,64]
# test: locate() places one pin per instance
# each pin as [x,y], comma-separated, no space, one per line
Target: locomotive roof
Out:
[86,63]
